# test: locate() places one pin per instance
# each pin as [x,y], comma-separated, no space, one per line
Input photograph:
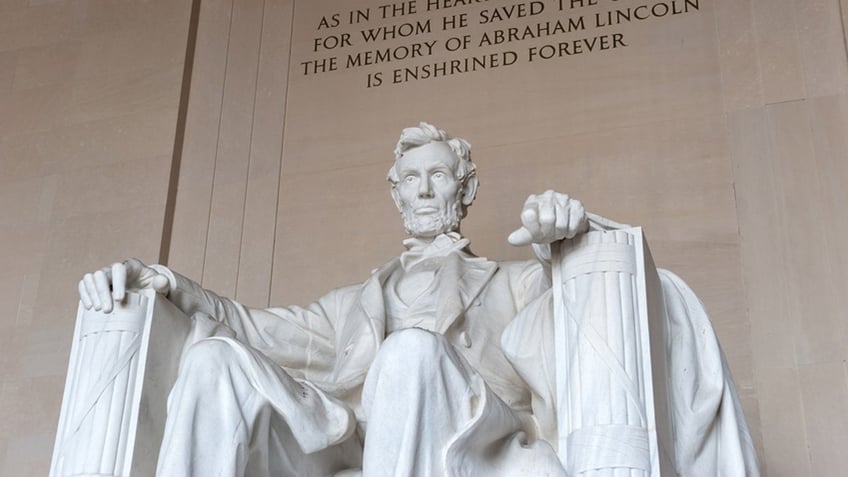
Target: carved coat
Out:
[333,341]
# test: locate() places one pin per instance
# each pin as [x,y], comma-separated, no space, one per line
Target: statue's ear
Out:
[396,196]
[469,190]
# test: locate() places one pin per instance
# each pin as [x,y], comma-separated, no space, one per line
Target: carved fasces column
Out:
[610,342]
[114,405]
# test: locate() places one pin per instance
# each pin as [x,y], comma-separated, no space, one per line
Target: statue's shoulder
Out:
[340,297]
[370,285]
[381,272]
[345,290]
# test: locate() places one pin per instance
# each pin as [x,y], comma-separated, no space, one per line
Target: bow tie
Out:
[430,255]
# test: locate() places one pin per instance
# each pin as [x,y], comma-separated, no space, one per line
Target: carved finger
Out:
[91,289]
[576,219]
[104,291]
[134,267]
[530,217]
[119,281]
[520,237]
[561,220]
[86,300]
[137,273]
[547,215]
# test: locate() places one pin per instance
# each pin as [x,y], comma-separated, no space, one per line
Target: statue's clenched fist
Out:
[548,217]
[102,289]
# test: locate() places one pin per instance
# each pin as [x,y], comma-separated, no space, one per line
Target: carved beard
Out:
[429,226]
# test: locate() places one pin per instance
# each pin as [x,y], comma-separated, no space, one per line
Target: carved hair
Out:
[426,133]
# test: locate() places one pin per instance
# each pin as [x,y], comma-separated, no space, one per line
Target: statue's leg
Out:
[429,412]
[416,395]
[233,411]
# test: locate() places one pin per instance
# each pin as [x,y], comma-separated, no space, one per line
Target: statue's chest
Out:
[411,300]
[409,287]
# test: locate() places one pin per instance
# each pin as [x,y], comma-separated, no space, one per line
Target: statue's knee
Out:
[414,342]
[412,362]
[409,350]
[209,357]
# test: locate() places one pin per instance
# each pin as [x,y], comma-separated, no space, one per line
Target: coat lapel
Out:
[460,280]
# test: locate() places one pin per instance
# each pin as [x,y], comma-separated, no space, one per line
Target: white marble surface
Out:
[122,366]
[403,375]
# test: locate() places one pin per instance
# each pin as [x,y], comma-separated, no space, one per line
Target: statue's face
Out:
[428,193]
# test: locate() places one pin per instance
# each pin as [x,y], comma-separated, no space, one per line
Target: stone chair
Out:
[610,324]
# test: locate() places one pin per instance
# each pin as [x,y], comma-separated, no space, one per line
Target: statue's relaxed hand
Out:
[548,217]
[101,289]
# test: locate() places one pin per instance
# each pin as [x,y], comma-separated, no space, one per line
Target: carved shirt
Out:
[411,291]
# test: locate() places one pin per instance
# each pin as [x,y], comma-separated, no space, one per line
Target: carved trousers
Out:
[233,412]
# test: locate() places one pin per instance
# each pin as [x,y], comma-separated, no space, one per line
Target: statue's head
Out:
[433,180]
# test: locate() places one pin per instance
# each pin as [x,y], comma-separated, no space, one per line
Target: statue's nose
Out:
[425,190]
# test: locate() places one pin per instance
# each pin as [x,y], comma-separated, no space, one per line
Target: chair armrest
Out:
[121,369]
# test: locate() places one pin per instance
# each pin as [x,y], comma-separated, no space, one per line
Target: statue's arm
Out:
[295,337]
[300,338]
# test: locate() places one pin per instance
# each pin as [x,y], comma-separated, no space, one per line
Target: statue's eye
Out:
[438,175]
[409,179]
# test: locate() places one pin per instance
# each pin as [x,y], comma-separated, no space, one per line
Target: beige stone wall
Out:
[785,81]
[721,131]
[89,94]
